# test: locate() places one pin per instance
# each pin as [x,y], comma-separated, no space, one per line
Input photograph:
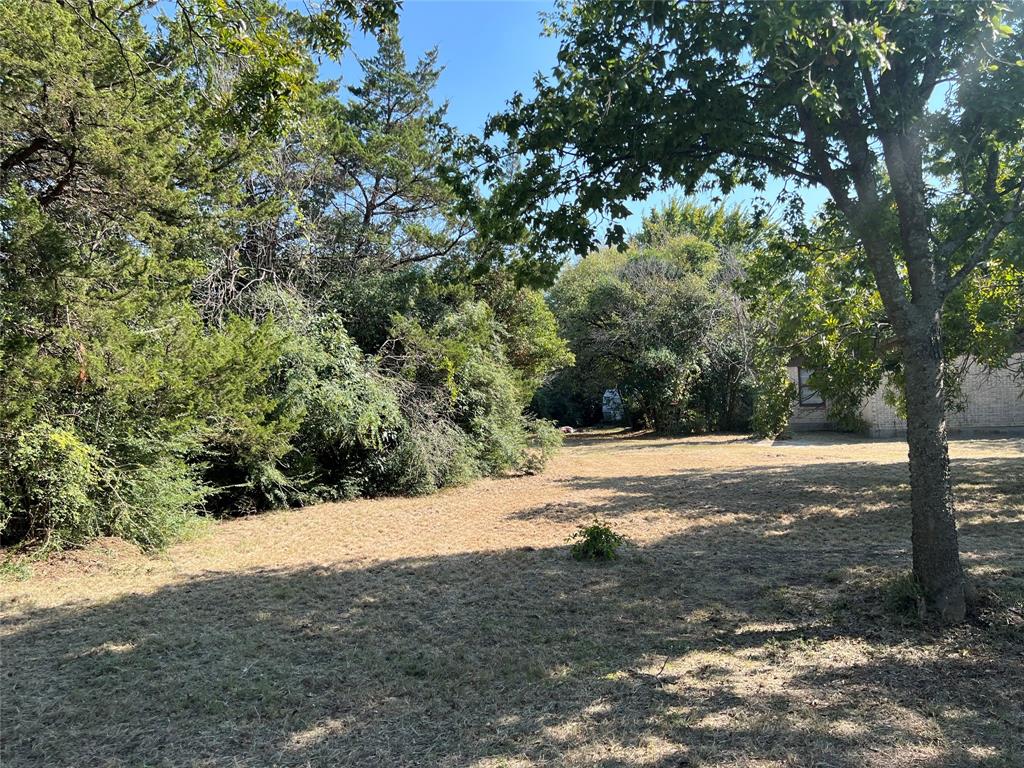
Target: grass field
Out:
[757,618]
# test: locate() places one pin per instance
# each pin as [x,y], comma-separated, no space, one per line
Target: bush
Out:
[124,425]
[153,504]
[773,406]
[595,542]
[774,394]
[444,408]
[246,421]
[459,370]
[348,413]
[254,415]
[544,440]
[428,454]
[68,491]
[56,479]
[659,323]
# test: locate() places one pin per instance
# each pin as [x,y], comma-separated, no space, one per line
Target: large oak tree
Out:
[908,113]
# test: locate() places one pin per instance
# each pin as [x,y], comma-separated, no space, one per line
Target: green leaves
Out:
[121,150]
[656,322]
[596,541]
[224,289]
[390,146]
[999,27]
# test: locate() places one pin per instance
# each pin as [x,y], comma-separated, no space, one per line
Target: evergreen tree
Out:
[392,207]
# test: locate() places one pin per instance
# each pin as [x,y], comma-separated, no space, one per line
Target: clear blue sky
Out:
[490,49]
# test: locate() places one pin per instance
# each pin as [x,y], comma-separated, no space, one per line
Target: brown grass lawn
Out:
[754,620]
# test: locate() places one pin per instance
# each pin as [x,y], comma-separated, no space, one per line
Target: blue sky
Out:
[490,49]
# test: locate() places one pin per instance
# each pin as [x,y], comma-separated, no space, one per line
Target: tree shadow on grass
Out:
[835,493]
[848,521]
[767,491]
[686,652]
[755,633]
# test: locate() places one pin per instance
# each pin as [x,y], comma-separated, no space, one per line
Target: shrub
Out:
[67,491]
[56,478]
[459,372]
[774,394]
[596,541]
[544,440]
[153,504]
[659,323]
[246,420]
[429,453]
[348,413]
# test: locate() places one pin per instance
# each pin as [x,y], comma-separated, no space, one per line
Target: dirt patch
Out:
[752,621]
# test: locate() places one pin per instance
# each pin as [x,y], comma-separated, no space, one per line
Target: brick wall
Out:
[994,403]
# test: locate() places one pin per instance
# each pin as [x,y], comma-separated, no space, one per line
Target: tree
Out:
[178,331]
[121,137]
[353,194]
[392,207]
[658,322]
[908,113]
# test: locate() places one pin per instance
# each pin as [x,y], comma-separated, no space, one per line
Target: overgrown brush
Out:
[202,315]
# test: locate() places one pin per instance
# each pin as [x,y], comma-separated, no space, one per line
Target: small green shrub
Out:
[596,541]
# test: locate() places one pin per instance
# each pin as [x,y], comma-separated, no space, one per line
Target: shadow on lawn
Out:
[859,494]
[625,438]
[529,656]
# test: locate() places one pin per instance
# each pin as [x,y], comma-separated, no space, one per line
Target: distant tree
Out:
[909,113]
[658,322]
[721,226]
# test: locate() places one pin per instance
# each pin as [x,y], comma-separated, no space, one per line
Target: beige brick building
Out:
[994,403]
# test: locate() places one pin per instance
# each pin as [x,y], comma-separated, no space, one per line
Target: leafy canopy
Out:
[651,95]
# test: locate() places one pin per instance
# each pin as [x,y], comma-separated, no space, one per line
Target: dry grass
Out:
[751,622]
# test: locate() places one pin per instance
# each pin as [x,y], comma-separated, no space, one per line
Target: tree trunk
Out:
[936,551]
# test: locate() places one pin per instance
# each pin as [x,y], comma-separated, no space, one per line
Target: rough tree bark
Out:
[936,552]
[917,321]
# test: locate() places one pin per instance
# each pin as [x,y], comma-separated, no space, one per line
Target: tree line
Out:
[229,285]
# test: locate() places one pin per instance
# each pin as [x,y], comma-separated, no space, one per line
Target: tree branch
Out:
[22,154]
[981,252]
